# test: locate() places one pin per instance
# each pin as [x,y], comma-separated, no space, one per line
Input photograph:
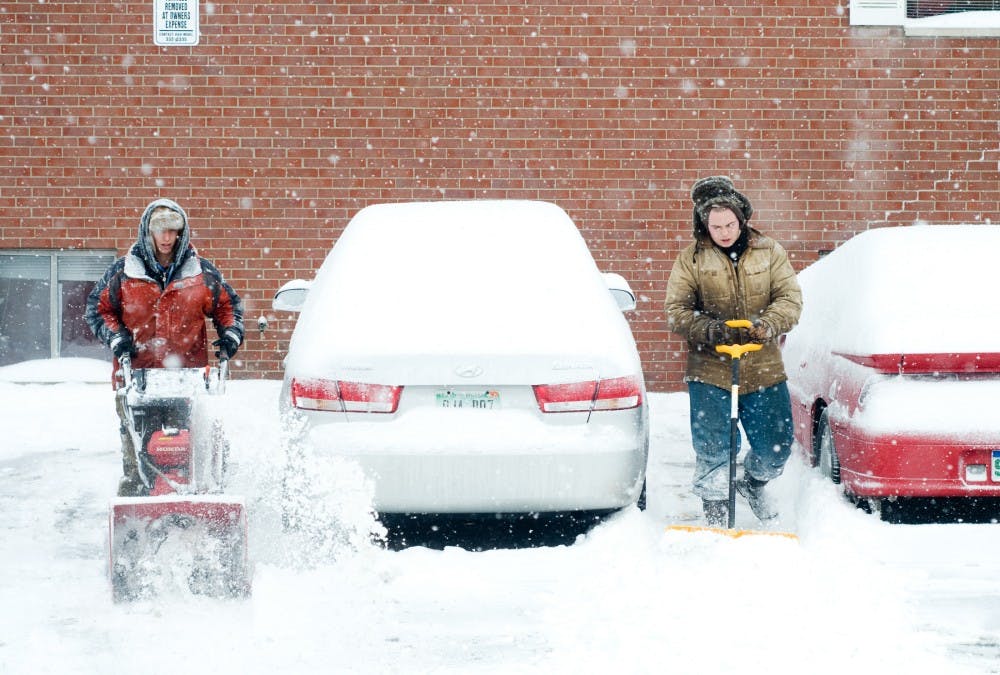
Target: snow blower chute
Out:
[735,353]
[182,530]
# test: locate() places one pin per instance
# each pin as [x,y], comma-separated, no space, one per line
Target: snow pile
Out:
[905,290]
[57,370]
[854,595]
[962,409]
[492,278]
[443,431]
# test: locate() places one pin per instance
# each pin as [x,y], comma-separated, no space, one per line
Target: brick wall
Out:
[289,117]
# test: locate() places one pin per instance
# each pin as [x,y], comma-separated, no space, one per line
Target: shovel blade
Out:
[731,533]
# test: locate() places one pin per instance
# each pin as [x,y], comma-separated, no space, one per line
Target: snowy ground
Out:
[852,595]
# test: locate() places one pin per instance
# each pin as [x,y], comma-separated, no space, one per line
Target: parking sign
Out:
[176,22]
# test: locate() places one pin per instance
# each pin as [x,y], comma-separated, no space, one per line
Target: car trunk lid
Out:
[932,363]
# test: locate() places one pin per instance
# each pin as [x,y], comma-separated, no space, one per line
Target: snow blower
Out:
[182,527]
[735,352]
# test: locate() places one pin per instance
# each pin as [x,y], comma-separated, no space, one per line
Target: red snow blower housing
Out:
[182,530]
[170,450]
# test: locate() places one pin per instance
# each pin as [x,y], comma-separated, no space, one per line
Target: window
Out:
[918,9]
[40,319]
[938,18]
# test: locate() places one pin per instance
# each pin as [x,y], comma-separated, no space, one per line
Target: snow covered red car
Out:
[894,368]
[469,357]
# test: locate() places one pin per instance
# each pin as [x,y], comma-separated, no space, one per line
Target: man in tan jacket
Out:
[732,271]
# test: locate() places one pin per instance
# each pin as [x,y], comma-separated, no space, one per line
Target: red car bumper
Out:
[906,466]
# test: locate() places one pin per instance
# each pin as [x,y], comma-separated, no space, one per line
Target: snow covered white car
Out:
[470,357]
[894,368]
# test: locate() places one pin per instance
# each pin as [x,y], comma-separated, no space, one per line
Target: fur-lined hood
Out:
[182,249]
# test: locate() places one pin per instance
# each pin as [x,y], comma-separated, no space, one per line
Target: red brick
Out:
[283,123]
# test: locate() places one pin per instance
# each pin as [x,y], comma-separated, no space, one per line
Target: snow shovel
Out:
[735,353]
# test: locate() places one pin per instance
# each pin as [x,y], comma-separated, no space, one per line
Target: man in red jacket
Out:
[151,305]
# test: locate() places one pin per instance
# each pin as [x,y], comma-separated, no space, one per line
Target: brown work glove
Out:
[761,332]
[718,333]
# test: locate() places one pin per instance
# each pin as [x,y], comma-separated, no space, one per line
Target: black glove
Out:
[718,333]
[227,344]
[121,343]
[761,332]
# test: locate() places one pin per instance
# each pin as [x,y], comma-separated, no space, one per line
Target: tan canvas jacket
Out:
[705,285]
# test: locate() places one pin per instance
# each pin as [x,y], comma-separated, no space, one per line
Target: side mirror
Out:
[292,296]
[620,291]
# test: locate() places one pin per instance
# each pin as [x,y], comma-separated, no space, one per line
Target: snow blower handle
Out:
[737,351]
[125,362]
[221,374]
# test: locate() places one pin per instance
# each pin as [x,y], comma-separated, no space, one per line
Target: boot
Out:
[131,486]
[716,512]
[753,491]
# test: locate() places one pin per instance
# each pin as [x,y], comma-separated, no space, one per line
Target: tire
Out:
[829,462]
[875,506]
[816,438]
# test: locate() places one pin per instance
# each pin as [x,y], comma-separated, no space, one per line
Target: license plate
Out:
[995,467]
[469,400]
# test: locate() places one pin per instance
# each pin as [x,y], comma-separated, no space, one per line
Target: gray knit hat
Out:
[714,191]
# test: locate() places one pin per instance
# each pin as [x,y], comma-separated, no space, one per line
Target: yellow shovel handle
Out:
[736,351]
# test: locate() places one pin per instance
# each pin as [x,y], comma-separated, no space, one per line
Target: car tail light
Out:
[918,364]
[363,397]
[341,396]
[619,393]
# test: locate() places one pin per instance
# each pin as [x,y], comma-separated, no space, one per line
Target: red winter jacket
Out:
[164,310]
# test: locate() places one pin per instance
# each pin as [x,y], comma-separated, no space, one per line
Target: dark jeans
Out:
[766,418]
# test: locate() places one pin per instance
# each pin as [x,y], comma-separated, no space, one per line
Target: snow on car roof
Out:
[914,289]
[440,277]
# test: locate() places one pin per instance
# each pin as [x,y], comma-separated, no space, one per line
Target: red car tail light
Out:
[922,364]
[572,397]
[316,395]
[341,396]
[619,393]
[364,397]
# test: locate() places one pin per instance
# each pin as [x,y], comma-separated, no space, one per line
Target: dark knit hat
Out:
[714,191]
